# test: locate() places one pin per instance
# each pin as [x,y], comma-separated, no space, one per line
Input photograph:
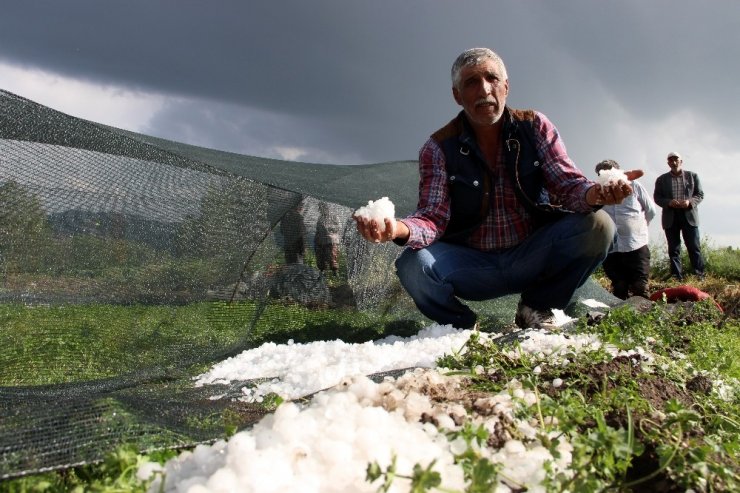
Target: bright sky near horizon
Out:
[332,81]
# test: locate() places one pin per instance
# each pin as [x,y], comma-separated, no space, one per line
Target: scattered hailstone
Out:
[378,210]
[611,176]
[591,303]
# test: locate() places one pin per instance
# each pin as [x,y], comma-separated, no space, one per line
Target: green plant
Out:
[480,473]
[720,262]
[422,479]
[115,474]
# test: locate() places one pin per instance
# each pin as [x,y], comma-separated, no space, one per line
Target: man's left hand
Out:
[613,193]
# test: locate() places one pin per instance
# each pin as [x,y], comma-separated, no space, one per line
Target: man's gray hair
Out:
[475,56]
[606,164]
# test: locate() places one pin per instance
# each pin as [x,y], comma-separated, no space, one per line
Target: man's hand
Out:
[613,193]
[370,229]
[679,204]
[634,174]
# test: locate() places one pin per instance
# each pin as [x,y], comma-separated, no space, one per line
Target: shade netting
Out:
[130,264]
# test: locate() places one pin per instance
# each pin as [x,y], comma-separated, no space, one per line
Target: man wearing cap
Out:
[679,193]
[628,264]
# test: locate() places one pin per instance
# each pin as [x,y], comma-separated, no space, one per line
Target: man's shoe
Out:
[527,318]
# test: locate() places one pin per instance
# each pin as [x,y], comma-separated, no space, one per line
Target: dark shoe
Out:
[527,318]
[640,290]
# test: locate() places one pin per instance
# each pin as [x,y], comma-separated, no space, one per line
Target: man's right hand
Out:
[370,229]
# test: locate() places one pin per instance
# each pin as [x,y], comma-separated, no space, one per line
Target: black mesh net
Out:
[130,264]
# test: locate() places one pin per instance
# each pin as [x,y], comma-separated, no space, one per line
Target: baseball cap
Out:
[674,154]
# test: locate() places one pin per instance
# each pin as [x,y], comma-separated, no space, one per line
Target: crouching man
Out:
[502,209]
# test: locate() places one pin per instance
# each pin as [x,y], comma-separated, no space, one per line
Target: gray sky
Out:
[346,82]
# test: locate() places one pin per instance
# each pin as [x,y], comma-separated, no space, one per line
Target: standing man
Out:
[502,209]
[294,234]
[326,240]
[679,193]
[628,264]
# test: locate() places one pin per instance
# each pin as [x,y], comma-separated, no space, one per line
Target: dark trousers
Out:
[295,250]
[327,256]
[691,238]
[628,272]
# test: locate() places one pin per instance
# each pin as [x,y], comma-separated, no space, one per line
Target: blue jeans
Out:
[546,269]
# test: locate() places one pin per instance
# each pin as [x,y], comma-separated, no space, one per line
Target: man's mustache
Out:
[485,101]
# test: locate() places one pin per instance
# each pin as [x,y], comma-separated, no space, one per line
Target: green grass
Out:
[76,343]
[622,439]
[669,424]
[697,331]
[73,343]
[722,262]
[117,473]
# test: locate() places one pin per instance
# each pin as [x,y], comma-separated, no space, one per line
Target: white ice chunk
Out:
[611,176]
[378,210]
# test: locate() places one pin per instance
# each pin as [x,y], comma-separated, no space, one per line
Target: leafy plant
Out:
[117,473]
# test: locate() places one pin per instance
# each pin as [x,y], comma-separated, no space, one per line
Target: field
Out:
[657,412]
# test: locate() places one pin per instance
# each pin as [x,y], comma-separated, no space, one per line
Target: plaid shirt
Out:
[679,187]
[508,223]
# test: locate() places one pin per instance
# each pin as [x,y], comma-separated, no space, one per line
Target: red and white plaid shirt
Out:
[508,223]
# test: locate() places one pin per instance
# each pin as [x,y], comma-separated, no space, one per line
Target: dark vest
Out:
[469,179]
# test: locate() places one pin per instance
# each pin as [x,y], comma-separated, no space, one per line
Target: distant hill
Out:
[157,234]
[350,185]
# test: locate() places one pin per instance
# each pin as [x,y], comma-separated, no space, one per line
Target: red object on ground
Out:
[682,293]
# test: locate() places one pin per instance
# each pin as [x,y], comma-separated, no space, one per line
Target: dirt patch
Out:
[627,371]
[657,391]
[700,385]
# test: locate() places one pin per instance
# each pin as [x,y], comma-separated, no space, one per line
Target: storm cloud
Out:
[336,81]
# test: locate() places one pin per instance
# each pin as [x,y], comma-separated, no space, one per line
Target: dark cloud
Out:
[362,82]
[296,57]
[256,132]
[372,77]
[656,57]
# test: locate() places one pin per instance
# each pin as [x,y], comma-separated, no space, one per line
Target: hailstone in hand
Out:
[378,210]
[611,177]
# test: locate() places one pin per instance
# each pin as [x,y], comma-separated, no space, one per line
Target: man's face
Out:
[675,163]
[482,92]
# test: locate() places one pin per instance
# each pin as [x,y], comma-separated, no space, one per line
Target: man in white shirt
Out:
[628,263]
